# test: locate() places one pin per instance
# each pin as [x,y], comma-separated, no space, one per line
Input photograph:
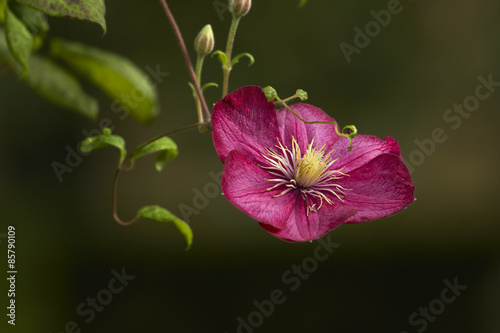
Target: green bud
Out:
[204,42]
[301,94]
[270,93]
[240,7]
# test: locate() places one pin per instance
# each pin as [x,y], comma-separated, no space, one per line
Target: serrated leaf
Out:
[118,77]
[106,139]
[19,39]
[166,148]
[88,10]
[34,20]
[160,214]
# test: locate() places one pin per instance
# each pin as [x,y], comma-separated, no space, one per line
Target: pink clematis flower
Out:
[299,180]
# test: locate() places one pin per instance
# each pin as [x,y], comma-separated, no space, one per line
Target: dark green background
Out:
[400,85]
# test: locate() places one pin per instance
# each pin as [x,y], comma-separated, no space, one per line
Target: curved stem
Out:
[337,131]
[115,211]
[300,118]
[229,49]
[139,147]
[123,167]
[186,57]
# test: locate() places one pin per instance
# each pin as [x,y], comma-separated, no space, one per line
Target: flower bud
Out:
[240,7]
[204,42]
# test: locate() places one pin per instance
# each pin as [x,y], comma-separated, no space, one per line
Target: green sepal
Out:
[165,147]
[19,39]
[106,139]
[270,93]
[88,10]
[239,56]
[127,85]
[221,56]
[160,214]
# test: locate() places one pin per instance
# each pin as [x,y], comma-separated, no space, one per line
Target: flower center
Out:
[311,166]
[311,174]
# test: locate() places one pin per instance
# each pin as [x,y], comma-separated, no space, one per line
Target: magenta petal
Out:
[301,226]
[364,149]
[244,120]
[290,125]
[244,185]
[379,188]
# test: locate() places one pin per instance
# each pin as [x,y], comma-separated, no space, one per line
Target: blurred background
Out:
[427,58]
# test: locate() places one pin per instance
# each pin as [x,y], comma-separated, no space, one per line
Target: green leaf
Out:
[3,4]
[58,86]
[221,56]
[159,214]
[87,10]
[118,77]
[19,39]
[166,148]
[34,20]
[302,3]
[106,139]
[51,82]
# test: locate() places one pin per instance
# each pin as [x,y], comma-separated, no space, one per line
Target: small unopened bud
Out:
[240,7]
[204,42]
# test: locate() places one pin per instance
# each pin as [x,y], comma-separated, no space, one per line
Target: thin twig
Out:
[124,167]
[142,145]
[115,210]
[186,57]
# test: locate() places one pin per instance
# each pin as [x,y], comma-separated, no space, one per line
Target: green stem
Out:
[229,49]
[199,66]
[337,130]
[282,102]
